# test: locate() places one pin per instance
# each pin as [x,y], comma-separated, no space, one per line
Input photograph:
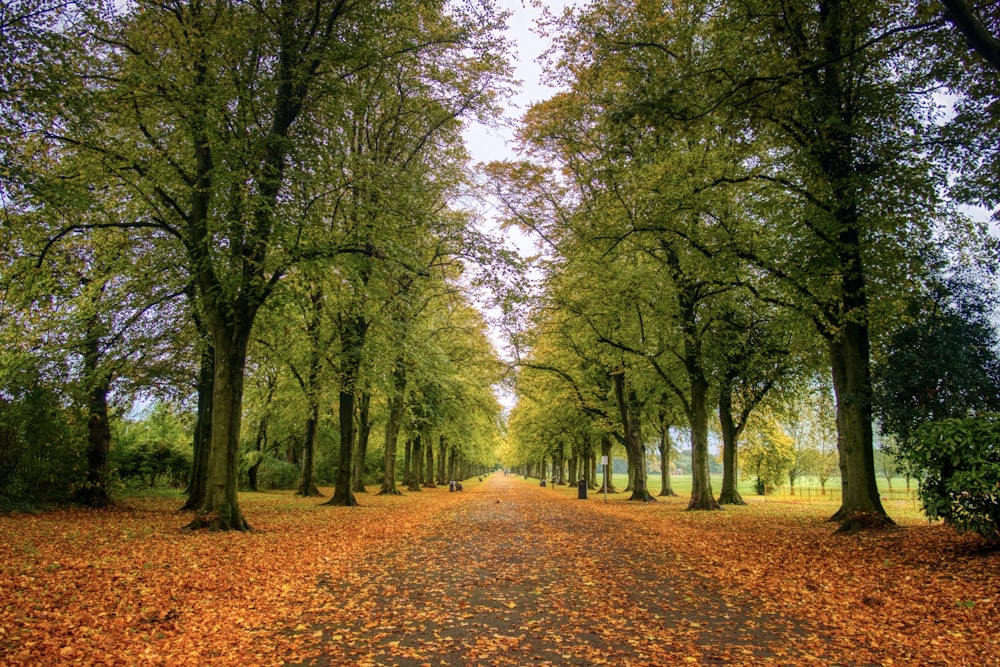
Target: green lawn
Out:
[898,502]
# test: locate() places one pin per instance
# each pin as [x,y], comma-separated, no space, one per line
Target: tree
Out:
[942,362]
[768,453]
[957,461]
[829,180]
[213,117]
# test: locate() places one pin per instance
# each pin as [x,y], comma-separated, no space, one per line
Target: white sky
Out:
[488,144]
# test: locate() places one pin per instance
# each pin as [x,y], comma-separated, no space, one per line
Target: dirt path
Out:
[518,575]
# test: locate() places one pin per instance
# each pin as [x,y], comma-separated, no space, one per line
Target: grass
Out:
[900,504]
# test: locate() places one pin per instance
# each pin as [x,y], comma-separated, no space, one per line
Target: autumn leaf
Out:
[458,579]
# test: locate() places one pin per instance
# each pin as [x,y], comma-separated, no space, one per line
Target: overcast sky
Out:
[487,144]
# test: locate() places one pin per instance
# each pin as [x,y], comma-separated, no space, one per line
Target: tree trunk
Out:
[558,465]
[592,470]
[730,494]
[632,441]
[666,481]
[361,453]
[607,483]
[393,423]
[452,462]
[343,495]
[95,491]
[307,482]
[429,460]
[352,347]
[98,383]
[701,481]
[220,509]
[861,506]
[416,464]
[202,429]
[442,460]
[313,390]
[407,465]
[260,443]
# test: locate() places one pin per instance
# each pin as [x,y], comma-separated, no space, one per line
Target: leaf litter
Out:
[503,573]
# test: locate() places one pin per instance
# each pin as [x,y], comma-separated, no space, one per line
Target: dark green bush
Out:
[41,449]
[277,474]
[958,464]
[151,464]
[153,451]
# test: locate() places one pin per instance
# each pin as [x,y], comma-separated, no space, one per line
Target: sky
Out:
[487,144]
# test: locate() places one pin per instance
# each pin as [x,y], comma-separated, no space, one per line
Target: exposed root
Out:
[856,522]
[214,522]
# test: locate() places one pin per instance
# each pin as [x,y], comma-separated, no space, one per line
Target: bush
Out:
[151,464]
[277,474]
[154,450]
[41,449]
[958,464]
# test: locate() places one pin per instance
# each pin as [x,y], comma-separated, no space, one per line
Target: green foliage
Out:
[41,448]
[154,451]
[958,464]
[276,473]
[941,363]
[767,453]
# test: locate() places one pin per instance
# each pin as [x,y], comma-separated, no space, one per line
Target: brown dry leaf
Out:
[446,578]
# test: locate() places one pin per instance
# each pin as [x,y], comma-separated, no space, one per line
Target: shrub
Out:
[151,464]
[154,450]
[958,464]
[41,449]
[277,474]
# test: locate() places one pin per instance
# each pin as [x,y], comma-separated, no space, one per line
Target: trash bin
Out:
[581,489]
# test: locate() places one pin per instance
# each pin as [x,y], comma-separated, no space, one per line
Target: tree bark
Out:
[633,441]
[313,390]
[98,382]
[95,491]
[452,462]
[442,459]
[202,429]
[352,344]
[343,494]
[429,461]
[607,483]
[364,433]
[861,506]
[416,464]
[666,482]
[960,13]
[730,494]
[392,426]
[220,509]
[701,481]
[307,482]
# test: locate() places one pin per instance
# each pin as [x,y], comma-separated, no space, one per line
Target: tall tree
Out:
[819,119]
[214,116]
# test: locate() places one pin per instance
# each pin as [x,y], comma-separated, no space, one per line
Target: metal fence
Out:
[904,498]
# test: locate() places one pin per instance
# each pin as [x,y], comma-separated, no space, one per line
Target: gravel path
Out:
[517,575]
